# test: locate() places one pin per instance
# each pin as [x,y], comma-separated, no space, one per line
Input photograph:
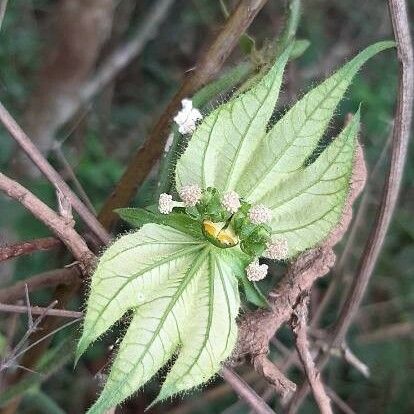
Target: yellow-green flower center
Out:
[219,235]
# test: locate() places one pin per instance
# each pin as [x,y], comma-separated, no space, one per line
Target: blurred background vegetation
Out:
[98,141]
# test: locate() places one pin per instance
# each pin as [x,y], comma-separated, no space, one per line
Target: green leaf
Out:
[137,217]
[181,291]
[299,48]
[231,150]
[183,296]
[295,136]
[308,203]
[219,150]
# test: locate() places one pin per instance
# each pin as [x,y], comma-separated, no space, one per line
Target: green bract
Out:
[179,289]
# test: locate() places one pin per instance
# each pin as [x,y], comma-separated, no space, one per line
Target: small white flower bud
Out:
[277,250]
[231,202]
[187,118]
[256,271]
[165,203]
[260,214]
[190,194]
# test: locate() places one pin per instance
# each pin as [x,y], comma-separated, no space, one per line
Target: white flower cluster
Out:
[260,214]
[190,194]
[277,250]
[187,118]
[165,203]
[256,271]
[231,202]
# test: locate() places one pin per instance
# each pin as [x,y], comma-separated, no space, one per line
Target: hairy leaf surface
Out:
[269,168]
[179,290]
[309,202]
[183,296]
[218,153]
[295,136]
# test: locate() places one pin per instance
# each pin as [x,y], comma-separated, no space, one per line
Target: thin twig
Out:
[292,358]
[3,6]
[28,307]
[342,405]
[345,353]
[37,310]
[354,361]
[244,391]
[209,65]
[27,247]
[40,341]
[121,57]
[12,357]
[51,278]
[68,171]
[47,335]
[46,215]
[387,333]
[401,135]
[51,174]
[300,328]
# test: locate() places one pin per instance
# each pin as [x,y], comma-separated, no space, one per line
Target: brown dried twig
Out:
[27,247]
[51,174]
[246,392]
[51,278]
[299,325]
[37,310]
[46,215]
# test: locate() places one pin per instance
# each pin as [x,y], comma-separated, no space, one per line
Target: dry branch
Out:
[51,174]
[244,391]
[37,310]
[27,247]
[52,278]
[299,325]
[46,215]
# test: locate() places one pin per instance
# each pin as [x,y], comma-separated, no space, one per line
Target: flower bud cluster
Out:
[227,220]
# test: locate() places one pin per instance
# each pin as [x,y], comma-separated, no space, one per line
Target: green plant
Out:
[249,188]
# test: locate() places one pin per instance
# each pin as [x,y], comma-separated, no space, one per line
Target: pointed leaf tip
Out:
[220,150]
[185,298]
